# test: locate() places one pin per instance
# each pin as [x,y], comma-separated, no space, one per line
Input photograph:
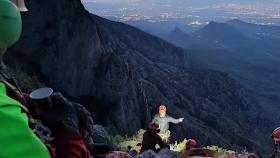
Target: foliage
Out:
[123,142]
[179,147]
[219,149]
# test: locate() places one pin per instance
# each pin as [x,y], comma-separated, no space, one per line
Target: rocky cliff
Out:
[122,74]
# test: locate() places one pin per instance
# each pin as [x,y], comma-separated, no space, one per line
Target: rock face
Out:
[122,74]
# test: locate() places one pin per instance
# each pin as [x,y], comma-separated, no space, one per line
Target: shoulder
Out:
[167,116]
[59,99]
[156,116]
[58,96]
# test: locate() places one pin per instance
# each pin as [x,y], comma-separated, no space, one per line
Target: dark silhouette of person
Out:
[151,139]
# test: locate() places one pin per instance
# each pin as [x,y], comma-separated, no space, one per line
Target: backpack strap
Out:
[23,102]
[16,90]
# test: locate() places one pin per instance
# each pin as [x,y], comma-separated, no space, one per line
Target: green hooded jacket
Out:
[17,140]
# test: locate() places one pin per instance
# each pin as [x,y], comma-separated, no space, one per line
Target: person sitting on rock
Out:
[70,123]
[276,138]
[163,120]
[191,143]
[18,139]
[151,139]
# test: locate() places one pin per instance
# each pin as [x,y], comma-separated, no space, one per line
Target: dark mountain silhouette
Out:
[254,29]
[247,40]
[264,39]
[248,52]
[179,37]
[161,28]
[122,74]
[220,35]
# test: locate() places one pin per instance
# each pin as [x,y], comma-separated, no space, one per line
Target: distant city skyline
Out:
[189,2]
[192,12]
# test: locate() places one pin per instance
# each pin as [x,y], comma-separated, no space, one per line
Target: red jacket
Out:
[70,145]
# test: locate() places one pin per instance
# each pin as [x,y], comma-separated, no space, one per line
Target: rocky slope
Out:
[122,74]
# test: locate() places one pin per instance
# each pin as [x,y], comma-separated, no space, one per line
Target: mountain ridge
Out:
[221,33]
[254,61]
[178,36]
[120,71]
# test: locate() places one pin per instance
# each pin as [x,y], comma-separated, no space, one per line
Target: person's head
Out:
[10,23]
[276,135]
[162,110]
[191,143]
[154,127]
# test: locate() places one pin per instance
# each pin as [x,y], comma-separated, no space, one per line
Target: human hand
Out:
[181,119]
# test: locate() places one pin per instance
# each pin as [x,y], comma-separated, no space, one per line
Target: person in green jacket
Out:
[17,140]
[70,123]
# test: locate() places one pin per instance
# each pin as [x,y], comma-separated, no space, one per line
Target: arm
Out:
[173,120]
[85,120]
